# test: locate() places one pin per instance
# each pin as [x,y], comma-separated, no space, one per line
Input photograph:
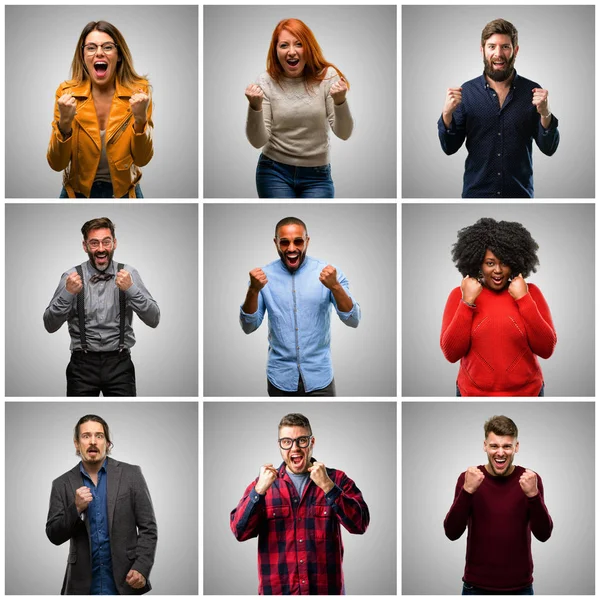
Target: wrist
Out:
[328,486]
[469,301]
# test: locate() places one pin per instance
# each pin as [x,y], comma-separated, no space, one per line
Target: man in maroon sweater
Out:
[501,504]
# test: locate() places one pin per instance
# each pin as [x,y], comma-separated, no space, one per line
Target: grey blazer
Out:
[131,527]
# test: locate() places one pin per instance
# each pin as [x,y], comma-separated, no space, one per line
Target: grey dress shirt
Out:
[101,309]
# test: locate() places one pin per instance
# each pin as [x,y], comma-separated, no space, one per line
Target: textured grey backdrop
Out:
[159,240]
[359,40]
[42,40]
[441,440]
[358,438]
[160,437]
[565,234]
[359,239]
[441,49]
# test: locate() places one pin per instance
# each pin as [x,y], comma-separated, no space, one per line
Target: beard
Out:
[92,256]
[295,267]
[499,74]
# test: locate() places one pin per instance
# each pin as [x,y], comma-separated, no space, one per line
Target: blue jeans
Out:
[540,394]
[101,189]
[276,180]
[471,590]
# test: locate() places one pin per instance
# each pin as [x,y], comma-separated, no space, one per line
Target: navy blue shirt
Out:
[97,513]
[499,140]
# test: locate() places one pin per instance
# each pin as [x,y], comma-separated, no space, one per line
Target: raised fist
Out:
[338,91]
[255,96]
[517,287]
[540,101]
[83,496]
[139,106]
[258,279]
[473,479]
[528,483]
[74,284]
[453,99]
[471,288]
[268,474]
[328,276]
[123,280]
[67,107]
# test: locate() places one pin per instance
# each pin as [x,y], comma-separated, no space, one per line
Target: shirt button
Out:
[297,347]
[300,541]
[301,561]
[303,581]
[324,512]
[295,499]
[499,174]
[499,133]
[494,95]
[498,193]
[499,154]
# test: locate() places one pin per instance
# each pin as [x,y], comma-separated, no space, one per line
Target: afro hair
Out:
[509,241]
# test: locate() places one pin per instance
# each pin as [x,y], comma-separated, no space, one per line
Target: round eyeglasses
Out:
[107,48]
[302,442]
[95,244]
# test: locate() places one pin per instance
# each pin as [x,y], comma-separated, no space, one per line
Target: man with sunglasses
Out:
[98,299]
[298,291]
[296,512]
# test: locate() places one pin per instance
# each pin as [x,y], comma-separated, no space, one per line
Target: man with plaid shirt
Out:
[296,512]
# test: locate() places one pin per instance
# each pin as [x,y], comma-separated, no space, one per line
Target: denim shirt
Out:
[97,513]
[299,308]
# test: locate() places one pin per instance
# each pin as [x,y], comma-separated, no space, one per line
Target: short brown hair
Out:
[500,26]
[99,223]
[500,425]
[295,420]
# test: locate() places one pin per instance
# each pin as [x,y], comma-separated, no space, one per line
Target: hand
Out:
[338,92]
[258,279]
[123,280]
[473,479]
[139,106]
[471,288]
[518,287]
[135,579]
[453,99]
[528,483]
[328,277]
[255,96]
[318,473]
[268,474]
[540,101]
[83,496]
[67,107]
[74,284]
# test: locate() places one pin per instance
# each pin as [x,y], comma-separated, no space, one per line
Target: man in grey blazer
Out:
[103,507]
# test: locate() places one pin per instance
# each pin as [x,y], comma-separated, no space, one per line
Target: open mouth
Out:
[500,463]
[293,259]
[293,62]
[297,460]
[101,68]
[500,64]
[101,257]
[497,280]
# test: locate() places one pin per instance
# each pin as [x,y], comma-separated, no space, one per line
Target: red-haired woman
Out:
[102,128]
[291,107]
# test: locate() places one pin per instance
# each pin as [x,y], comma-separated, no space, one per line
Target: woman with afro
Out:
[495,322]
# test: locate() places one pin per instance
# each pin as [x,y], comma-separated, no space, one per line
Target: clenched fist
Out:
[74,284]
[328,277]
[139,106]
[453,99]
[473,479]
[540,101]
[471,288]
[528,483]
[83,496]
[67,107]
[255,96]
[517,287]
[123,280]
[135,579]
[338,92]
[268,474]
[318,473]
[258,279]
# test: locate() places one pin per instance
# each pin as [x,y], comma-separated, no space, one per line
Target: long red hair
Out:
[316,66]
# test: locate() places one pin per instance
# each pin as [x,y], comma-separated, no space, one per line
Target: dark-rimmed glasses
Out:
[107,48]
[288,443]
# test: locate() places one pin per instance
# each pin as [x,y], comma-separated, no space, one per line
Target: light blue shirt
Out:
[299,308]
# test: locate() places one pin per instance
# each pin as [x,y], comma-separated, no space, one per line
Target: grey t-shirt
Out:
[299,480]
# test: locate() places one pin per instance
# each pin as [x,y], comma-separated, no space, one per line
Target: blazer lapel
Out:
[113,480]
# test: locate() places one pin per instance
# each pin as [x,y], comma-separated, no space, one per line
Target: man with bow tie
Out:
[98,299]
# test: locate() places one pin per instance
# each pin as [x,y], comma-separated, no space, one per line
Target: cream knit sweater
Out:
[292,125]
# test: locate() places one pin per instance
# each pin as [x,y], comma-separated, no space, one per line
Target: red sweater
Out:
[501,519]
[497,341]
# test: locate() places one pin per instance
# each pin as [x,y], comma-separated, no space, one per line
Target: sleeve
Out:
[251,322]
[258,122]
[539,517]
[146,525]
[457,518]
[452,139]
[538,322]
[347,502]
[339,116]
[142,146]
[59,149]
[546,139]
[245,520]
[352,317]
[60,307]
[141,301]
[62,518]
[455,339]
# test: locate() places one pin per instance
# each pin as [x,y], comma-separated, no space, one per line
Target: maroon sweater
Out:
[501,519]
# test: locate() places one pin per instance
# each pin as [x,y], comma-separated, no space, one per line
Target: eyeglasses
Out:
[107,48]
[287,443]
[298,242]
[95,244]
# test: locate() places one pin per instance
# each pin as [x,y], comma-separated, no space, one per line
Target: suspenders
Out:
[81,312]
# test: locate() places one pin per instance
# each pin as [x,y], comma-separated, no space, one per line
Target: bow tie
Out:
[101,277]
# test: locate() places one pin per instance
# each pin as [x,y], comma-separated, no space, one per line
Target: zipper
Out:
[120,129]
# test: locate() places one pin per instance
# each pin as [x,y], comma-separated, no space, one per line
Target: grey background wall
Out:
[41,40]
[160,437]
[440,49]
[441,440]
[358,438]
[565,234]
[359,40]
[359,239]
[44,241]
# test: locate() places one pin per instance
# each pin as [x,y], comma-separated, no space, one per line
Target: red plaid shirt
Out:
[300,547]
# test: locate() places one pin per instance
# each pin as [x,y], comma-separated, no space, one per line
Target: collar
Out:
[483,82]
[84,89]
[102,468]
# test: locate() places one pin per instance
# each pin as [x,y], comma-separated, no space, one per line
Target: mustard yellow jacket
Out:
[79,155]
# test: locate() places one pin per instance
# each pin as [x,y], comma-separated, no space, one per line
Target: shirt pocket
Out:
[324,521]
